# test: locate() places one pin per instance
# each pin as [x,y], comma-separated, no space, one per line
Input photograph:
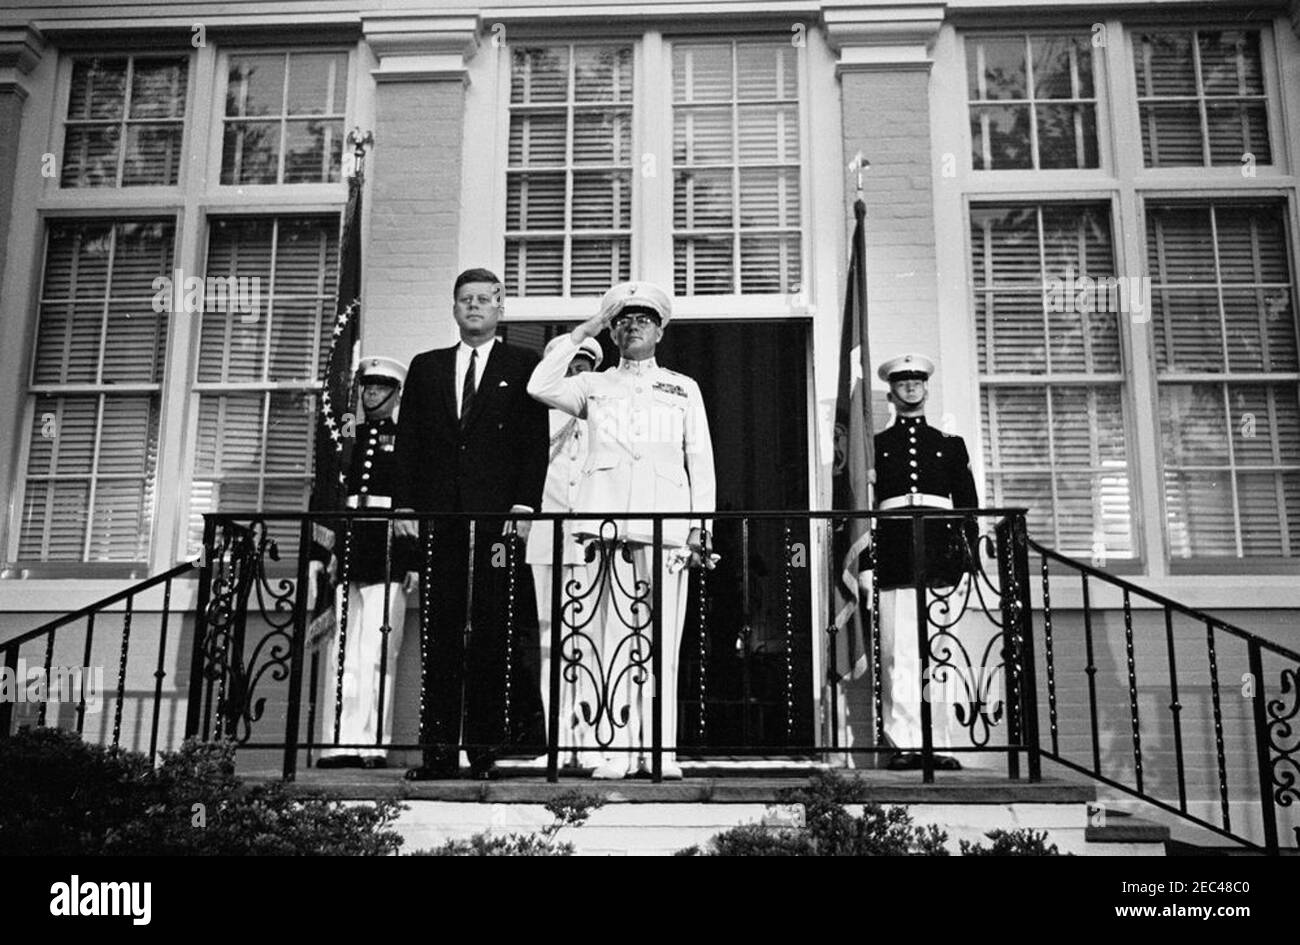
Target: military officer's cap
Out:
[906,367]
[590,349]
[645,296]
[381,371]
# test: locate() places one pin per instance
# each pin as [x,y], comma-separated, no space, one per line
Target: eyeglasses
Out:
[639,319]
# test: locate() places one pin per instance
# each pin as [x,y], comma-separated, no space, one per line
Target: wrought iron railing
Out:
[252,632]
[1246,688]
[84,621]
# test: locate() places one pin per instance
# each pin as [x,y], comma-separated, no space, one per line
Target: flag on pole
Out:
[854,464]
[338,397]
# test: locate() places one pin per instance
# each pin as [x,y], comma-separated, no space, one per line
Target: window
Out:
[736,169]
[257,375]
[1033,101]
[1051,375]
[96,380]
[226,304]
[1225,341]
[1201,97]
[284,118]
[569,176]
[125,120]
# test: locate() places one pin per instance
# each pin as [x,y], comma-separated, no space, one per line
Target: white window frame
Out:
[652,195]
[197,196]
[1123,179]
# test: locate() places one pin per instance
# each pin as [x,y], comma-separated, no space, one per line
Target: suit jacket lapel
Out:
[487,385]
[447,384]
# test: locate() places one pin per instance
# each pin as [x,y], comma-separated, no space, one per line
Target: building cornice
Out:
[873,37]
[20,50]
[422,48]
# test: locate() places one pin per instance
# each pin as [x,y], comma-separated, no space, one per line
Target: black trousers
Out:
[476,640]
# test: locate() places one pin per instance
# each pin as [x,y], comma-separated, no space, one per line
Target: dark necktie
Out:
[468,388]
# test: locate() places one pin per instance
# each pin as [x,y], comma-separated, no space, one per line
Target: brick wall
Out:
[412,254]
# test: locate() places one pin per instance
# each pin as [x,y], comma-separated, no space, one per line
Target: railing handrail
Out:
[584,515]
[96,606]
[1164,601]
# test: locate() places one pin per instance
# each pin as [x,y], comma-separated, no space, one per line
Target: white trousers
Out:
[620,605]
[900,677]
[575,732]
[359,722]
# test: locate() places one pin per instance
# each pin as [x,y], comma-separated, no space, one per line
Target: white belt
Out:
[370,502]
[915,499]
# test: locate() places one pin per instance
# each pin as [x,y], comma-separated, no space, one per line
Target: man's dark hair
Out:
[474,275]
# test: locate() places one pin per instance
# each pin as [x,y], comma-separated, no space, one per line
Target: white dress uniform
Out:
[568,458]
[649,451]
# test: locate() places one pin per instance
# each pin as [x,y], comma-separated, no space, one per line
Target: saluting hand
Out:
[592,326]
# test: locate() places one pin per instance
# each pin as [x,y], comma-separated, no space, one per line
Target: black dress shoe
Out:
[339,761]
[432,773]
[946,763]
[484,770]
[905,761]
[374,761]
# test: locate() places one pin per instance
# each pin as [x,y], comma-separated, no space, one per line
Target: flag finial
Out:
[859,164]
[360,141]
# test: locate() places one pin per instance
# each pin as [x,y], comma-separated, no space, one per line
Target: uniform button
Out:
[912,462]
[363,488]
[636,455]
[939,453]
[912,450]
[573,482]
[913,489]
[912,439]
[914,476]
[367,464]
[462,447]
[365,475]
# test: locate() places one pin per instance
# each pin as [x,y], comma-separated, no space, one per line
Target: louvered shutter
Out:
[1058,447]
[92,455]
[1231,448]
[253,447]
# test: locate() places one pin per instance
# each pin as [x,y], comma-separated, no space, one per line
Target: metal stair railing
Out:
[1274,711]
[10,650]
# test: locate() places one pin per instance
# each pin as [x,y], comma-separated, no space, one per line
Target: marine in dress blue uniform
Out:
[917,466]
[374,612]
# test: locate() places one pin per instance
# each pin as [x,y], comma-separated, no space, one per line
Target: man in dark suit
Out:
[470,439]
[917,466]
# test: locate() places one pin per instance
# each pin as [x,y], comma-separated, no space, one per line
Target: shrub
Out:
[59,795]
[829,829]
[570,809]
[1018,842]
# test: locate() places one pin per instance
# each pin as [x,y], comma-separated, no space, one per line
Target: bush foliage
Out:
[570,809]
[60,796]
[830,830]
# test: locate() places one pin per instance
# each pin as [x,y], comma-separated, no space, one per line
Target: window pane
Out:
[1201,97]
[1067,136]
[250,152]
[540,74]
[317,83]
[1062,67]
[90,156]
[602,74]
[702,73]
[98,89]
[1004,72]
[314,151]
[255,85]
[1004,131]
[158,88]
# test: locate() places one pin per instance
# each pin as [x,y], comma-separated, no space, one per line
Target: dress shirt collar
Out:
[463,349]
[637,367]
[911,423]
